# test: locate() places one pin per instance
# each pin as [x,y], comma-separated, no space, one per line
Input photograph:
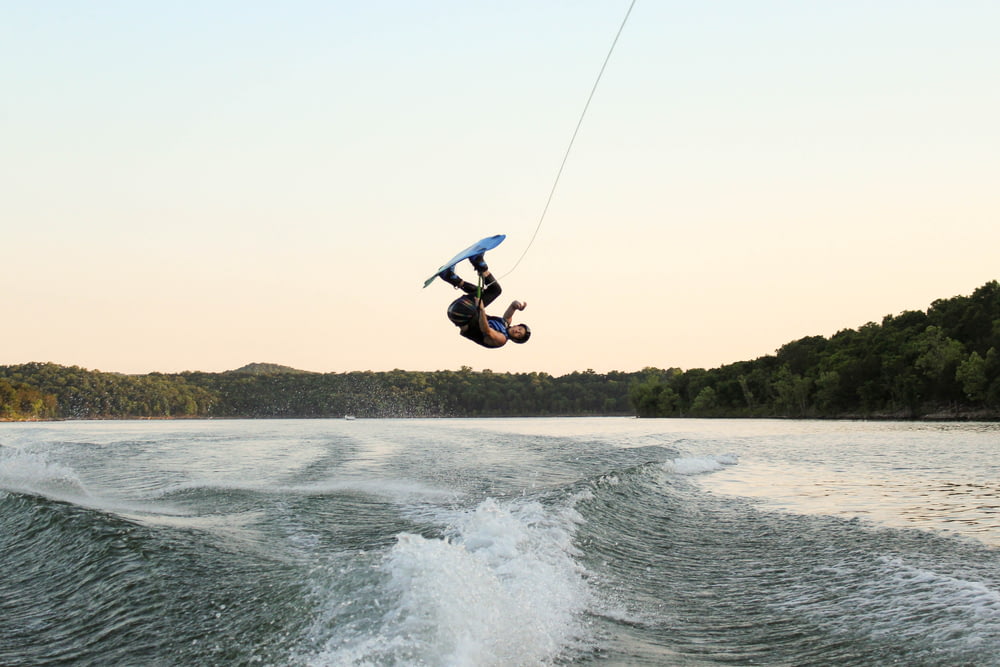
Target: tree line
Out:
[50,391]
[942,362]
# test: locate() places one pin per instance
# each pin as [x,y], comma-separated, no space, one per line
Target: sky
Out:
[198,186]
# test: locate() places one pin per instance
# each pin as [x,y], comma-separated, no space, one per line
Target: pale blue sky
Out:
[202,185]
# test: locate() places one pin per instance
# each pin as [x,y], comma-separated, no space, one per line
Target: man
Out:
[469,313]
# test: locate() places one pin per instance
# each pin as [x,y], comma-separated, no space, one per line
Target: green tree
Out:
[704,403]
[971,373]
[938,358]
[827,388]
[792,391]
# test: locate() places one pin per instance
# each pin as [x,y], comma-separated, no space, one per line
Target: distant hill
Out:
[267,369]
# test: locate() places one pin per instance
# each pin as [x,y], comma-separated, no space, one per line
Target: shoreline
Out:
[978,416]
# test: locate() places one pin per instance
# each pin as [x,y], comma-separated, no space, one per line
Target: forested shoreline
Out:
[942,363]
[50,391]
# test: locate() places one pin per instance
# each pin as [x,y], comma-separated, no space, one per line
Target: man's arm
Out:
[512,308]
[491,337]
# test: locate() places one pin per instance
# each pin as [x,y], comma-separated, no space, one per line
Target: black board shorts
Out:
[463,310]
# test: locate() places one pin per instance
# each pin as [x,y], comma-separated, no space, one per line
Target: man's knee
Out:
[491,292]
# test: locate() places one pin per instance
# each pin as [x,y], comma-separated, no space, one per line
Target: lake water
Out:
[499,542]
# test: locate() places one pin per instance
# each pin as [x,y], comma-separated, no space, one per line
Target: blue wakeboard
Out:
[477,248]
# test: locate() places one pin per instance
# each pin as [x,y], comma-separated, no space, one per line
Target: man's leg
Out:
[454,280]
[491,288]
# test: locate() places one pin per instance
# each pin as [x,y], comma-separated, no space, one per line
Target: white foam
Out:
[34,473]
[25,471]
[501,589]
[698,465]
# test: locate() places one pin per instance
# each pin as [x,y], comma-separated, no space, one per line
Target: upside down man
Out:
[468,312]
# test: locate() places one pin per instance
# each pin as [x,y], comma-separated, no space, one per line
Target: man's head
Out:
[519,333]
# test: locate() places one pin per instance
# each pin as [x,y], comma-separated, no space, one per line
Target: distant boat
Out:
[348,416]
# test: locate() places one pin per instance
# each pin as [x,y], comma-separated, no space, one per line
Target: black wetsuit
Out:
[464,314]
